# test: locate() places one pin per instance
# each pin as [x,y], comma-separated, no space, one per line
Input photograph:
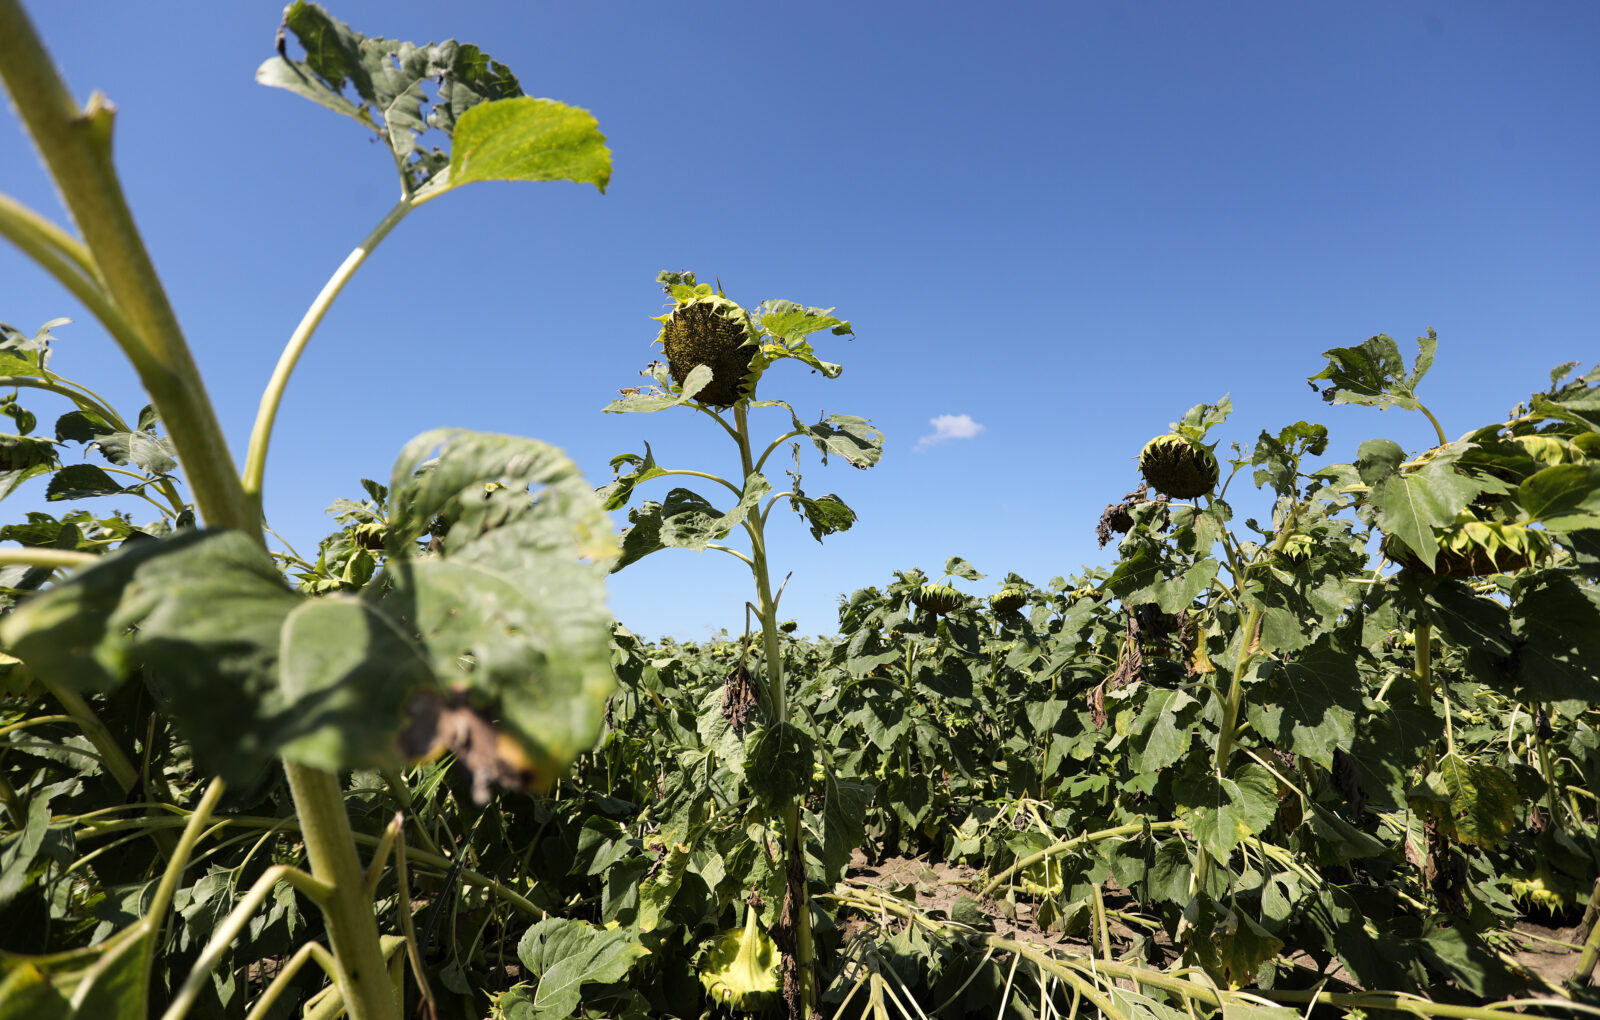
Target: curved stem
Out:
[708,476]
[173,875]
[1437,428]
[76,146]
[1068,845]
[56,559]
[229,929]
[703,409]
[72,391]
[269,995]
[762,460]
[66,259]
[255,462]
[731,552]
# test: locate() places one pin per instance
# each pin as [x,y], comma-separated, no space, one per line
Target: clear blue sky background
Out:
[1069,222]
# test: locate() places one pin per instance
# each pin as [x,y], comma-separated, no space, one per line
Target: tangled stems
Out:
[1086,973]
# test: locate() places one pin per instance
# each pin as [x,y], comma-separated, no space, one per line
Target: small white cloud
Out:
[949,426]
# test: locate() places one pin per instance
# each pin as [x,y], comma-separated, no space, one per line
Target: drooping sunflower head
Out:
[708,329]
[1178,467]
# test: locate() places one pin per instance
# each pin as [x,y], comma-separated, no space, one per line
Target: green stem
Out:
[794,839]
[155,913]
[1438,429]
[708,477]
[55,559]
[1552,788]
[64,258]
[76,146]
[1235,699]
[118,764]
[255,463]
[94,830]
[1248,651]
[1068,845]
[761,461]
[1591,945]
[731,552]
[1423,671]
[280,982]
[352,926]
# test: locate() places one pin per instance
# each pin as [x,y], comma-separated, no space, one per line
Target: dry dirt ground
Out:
[1549,953]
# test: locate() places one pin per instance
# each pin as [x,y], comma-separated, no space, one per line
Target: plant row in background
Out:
[1330,758]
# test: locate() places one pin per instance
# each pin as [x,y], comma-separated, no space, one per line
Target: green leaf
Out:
[686,520]
[388,79]
[642,536]
[1166,722]
[825,515]
[527,139]
[1565,497]
[117,983]
[1412,505]
[657,891]
[1309,705]
[955,566]
[1374,373]
[142,449]
[1558,658]
[617,495]
[26,993]
[844,813]
[347,668]
[19,856]
[1477,802]
[81,481]
[854,439]
[566,954]
[1221,812]
[1377,459]
[791,322]
[200,612]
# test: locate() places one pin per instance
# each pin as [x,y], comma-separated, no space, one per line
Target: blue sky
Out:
[1055,228]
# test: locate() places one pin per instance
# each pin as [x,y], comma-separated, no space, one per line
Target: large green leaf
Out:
[1476,802]
[566,954]
[1411,505]
[142,449]
[27,993]
[824,515]
[1374,373]
[685,520]
[514,607]
[1558,658]
[517,596]
[200,613]
[401,90]
[1308,705]
[1221,812]
[527,139]
[1565,497]
[347,668]
[81,481]
[844,812]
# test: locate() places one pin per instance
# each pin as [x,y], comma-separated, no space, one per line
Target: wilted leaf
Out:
[388,79]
